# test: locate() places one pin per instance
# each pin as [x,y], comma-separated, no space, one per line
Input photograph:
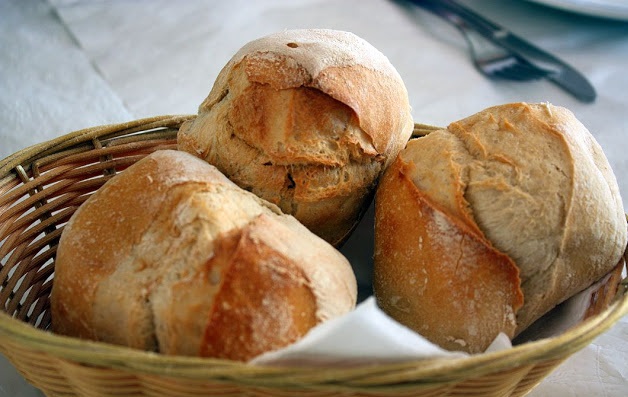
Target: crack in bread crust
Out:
[533,183]
[155,284]
[325,105]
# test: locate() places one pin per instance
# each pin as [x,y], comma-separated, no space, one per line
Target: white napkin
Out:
[362,337]
[368,336]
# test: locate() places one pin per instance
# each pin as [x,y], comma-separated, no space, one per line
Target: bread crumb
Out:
[399,304]
[510,316]
[457,341]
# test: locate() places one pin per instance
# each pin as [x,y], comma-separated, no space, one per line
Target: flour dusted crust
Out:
[485,226]
[436,274]
[307,119]
[171,256]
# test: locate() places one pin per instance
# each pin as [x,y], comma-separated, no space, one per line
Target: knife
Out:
[564,76]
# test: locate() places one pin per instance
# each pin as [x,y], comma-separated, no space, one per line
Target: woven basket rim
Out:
[419,371]
[26,155]
[121,357]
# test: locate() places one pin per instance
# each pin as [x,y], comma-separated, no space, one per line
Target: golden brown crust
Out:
[435,274]
[558,213]
[307,119]
[263,293]
[88,246]
[339,64]
[530,181]
[170,247]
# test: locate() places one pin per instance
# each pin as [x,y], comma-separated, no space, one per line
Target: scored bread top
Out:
[436,274]
[533,179]
[339,64]
[308,120]
[333,48]
[514,204]
[154,258]
[93,248]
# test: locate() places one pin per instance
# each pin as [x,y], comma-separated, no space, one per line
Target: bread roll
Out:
[486,225]
[171,256]
[308,120]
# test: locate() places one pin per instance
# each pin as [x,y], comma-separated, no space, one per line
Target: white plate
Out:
[615,9]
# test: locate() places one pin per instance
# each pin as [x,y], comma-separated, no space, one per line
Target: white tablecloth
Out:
[70,64]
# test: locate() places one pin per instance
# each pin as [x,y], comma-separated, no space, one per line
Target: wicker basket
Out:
[40,188]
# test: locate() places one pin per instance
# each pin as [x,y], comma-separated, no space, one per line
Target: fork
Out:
[490,59]
[496,62]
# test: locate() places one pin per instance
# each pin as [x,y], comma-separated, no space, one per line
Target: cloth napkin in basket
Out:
[368,336]
[364,336]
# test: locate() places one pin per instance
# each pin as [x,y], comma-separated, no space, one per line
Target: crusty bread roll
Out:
[486,225]
[308,120]
[171,256]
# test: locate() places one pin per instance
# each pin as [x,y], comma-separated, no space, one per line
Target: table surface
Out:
[70,64]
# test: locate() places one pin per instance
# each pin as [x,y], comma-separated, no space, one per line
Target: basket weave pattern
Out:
[42,186]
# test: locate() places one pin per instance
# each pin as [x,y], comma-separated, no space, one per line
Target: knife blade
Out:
[565,76]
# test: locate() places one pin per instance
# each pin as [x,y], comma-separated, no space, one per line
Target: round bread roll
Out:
[171,256]
[308,120]
[485,226]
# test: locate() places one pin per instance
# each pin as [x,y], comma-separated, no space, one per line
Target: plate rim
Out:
[597,8]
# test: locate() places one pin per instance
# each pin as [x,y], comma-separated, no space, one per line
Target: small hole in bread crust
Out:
[291,183]
[292,45]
